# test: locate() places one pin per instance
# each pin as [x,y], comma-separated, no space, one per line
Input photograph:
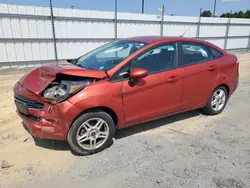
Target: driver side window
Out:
[158,59]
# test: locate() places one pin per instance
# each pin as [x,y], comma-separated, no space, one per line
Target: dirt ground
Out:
[186,150]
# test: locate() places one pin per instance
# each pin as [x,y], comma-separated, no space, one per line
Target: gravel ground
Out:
[186,150]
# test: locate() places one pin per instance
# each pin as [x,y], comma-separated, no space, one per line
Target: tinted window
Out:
[216,53]
[194,53]
[157,59]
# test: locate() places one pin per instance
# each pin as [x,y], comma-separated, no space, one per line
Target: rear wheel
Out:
[217,101]
[91,133]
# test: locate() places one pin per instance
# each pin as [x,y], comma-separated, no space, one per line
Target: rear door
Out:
[200,73]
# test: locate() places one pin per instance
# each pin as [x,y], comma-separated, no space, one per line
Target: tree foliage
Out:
[240,14]
[206,13]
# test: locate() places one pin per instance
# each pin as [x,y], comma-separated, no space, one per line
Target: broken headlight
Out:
[60,91]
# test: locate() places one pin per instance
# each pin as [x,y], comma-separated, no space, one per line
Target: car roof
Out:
[155,40]
[160,39]
[152,39]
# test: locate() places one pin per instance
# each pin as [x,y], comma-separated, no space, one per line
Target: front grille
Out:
[34,118]
[31,117]
[28,102]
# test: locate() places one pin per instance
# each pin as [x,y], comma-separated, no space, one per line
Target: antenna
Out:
[185,32]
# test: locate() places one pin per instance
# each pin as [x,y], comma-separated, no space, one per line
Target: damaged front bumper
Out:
[44,120]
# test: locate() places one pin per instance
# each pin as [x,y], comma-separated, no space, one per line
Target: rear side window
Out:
[194,53]
[215,53]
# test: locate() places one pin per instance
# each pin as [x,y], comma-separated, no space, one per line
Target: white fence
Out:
[26,35]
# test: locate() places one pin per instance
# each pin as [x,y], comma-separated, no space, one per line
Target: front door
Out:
[160,92]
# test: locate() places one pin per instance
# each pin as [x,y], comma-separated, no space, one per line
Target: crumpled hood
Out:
[38,79]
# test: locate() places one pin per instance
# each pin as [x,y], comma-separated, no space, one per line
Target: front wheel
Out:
[217,101]
[91,133]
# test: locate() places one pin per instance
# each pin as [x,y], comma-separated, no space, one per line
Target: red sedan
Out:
[124,83]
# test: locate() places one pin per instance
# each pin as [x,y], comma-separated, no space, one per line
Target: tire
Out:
[84,133]
[211,109]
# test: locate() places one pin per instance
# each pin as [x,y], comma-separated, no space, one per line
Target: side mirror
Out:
[138,73]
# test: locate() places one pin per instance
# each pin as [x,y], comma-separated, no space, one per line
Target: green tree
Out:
[247,14]
[206,13]
[223,15]
[239,14]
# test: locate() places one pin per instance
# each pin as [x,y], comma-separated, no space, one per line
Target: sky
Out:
[176,7]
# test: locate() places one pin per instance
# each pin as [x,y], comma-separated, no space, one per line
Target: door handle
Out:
[212,68]
[173,79]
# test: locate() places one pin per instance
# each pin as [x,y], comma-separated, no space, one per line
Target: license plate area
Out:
[22,108]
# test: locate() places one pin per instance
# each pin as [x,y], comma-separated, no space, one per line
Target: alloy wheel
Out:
[92,134]
[218,100]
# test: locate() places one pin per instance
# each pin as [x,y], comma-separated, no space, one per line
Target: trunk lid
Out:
[38,79]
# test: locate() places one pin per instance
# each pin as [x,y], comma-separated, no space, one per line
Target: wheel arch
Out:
[219,85]
[96,109]
[226,86]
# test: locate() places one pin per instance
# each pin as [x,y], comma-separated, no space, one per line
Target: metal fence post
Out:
[115,20]
[142,6]
[249,42]
[198,25]
[53,29]
[227,31]
[162,19]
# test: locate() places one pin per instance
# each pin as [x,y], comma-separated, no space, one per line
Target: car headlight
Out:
[61,91]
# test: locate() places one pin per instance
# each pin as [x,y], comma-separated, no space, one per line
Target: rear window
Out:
[216,53]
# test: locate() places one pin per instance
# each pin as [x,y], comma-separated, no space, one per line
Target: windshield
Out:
[108,56]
